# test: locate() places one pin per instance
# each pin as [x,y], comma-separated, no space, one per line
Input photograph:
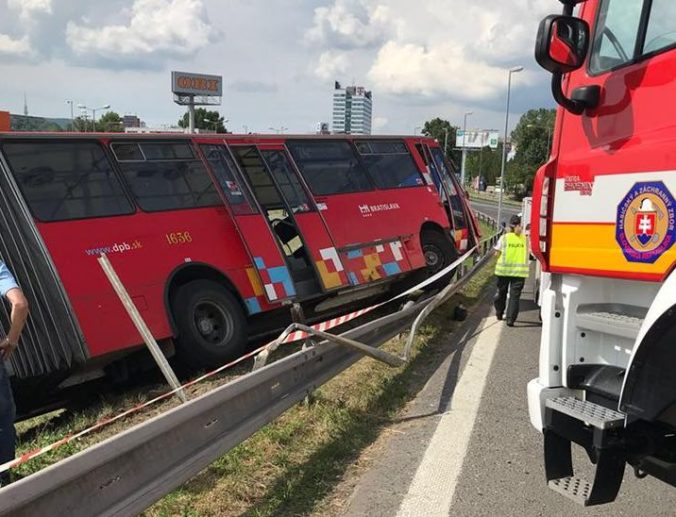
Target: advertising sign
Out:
[477,139]
[185,83]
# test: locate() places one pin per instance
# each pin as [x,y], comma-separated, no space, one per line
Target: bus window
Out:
[389,163]
[224,168]
[66,180]
[329,167]
[287,180]
[165,176]
[455,201]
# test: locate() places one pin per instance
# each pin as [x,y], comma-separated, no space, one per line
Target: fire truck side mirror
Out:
[562,43]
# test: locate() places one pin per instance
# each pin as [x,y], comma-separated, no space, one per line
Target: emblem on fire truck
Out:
[645,226]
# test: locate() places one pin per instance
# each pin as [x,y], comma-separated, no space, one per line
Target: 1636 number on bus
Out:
[175,238]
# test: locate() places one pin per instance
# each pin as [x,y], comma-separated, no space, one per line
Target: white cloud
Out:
[331,65]
[28,8]
[14,47]
[176,28]
[431,48]
[436,71]
[351,24]
[380,122]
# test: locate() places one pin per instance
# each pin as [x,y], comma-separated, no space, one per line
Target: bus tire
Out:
[438,250]
[211,324]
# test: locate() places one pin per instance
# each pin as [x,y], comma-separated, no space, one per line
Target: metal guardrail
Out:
[125,474]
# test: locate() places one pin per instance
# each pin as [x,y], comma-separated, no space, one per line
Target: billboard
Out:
[477,138]
[185,83]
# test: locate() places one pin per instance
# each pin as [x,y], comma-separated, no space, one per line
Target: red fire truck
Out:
[603,228]
[212,236]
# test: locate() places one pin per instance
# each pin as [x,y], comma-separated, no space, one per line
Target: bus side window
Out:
[66,180]
[225,171]
[389,163]
[329,167]
[288,182]
[165,175]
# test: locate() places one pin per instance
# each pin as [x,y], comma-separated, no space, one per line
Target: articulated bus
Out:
[213,237]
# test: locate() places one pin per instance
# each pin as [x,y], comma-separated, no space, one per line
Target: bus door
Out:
[450,196]
[285,204]
[268,261]
[314,235]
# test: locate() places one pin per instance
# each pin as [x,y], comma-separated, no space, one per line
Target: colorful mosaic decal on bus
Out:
[461,238]
[645,222]
[375,262]
[330,268]
[276,280]
[253,303]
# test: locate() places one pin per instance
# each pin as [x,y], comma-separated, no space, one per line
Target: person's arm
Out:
[18,317]
[10,290]
[498,246]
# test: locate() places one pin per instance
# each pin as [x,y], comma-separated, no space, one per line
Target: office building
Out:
[352,109]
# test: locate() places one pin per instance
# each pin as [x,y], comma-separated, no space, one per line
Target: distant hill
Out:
[30,123]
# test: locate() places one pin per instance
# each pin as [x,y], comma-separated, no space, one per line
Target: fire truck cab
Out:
[603,229]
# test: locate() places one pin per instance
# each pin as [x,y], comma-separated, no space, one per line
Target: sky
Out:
[278,58]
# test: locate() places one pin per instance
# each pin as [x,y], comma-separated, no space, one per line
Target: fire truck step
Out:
[572,487]
[593,414]
[619,320]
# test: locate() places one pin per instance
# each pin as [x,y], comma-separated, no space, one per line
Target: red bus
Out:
[212,236]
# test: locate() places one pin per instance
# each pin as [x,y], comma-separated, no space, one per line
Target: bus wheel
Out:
[211,324]
[438,251]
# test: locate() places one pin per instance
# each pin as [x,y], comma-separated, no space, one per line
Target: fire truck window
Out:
[389,163]
[226,173]
[329,167]
[661,26]
[66,180]
[170,178]
[617,29]
[287,180]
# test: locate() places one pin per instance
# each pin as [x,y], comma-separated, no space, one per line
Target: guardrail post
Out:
[141,326]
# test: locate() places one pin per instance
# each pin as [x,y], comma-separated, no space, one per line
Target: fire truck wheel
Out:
[438,250]
[211,324]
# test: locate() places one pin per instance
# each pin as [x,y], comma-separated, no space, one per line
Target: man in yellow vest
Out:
[511,270]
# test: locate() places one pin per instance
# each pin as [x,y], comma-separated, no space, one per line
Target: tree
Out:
[110,122]
[438,128]
[485,163]
[532,139]
[205,120]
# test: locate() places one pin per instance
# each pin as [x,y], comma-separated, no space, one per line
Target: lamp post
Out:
[514,70]
[464,148]
[94,110]
[415,129]
[72,120]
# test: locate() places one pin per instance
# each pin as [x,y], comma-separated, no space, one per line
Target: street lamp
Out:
[464,148]
[415,129]
[514,70]
[94,110]
[72,120]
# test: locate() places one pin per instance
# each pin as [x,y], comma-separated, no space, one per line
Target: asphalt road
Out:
[491,209]
[465,446]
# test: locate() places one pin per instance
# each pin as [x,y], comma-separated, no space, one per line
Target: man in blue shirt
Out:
[19,312]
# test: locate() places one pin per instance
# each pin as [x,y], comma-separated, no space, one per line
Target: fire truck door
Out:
[261,245]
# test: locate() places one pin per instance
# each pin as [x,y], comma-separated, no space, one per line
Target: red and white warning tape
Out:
[290,338]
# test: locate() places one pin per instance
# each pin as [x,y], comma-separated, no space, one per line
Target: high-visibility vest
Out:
[513,260]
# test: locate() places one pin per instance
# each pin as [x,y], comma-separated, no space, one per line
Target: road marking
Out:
[433,486]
